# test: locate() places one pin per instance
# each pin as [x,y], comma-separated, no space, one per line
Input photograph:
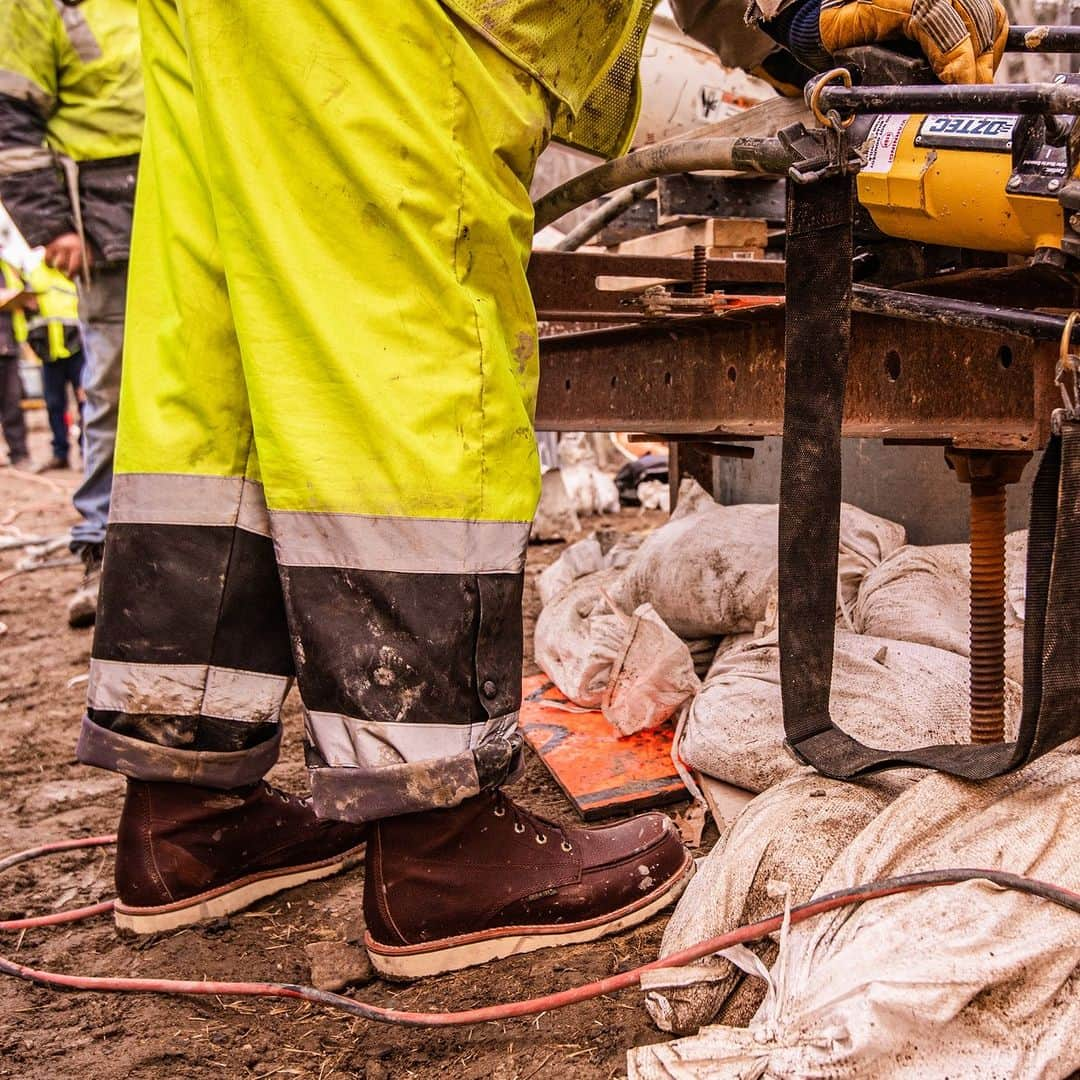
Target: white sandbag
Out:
[793,833]
[577,638]
[652,676]
[1016,544]
[711,569]
[590,489]
[919,594]
[923,594]
[555,517]
[961,981]
[654,495]
[886,693]
[601,550]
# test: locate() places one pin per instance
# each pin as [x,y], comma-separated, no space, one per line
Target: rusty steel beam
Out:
[908,381]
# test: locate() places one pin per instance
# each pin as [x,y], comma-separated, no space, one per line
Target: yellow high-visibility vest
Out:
[584,52]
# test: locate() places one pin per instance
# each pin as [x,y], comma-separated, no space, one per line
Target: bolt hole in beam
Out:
[732,374]
[567,384]
[1005,357]
[614,381]
[667,378]
[892,365]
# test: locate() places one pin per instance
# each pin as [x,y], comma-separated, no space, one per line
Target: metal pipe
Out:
[615,207]
[1020,98]
[965,314]
[725,154]
[1043,39]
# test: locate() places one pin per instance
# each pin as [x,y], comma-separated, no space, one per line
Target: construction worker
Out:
[339,490]
[71,118]
[49,324]
[962,39]
[12,420]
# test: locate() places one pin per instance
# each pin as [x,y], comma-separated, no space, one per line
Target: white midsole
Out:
[217,907]
[453,957]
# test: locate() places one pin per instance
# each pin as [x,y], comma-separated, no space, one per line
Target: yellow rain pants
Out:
[326,467]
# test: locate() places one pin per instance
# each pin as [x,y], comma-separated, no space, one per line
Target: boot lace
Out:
[524,820]
[284,796]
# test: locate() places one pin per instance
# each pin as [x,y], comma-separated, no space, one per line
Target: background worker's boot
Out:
[446,889]
[55,463]
[185,854]
[82,608]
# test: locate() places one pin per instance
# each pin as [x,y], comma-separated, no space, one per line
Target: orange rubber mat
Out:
[600,772]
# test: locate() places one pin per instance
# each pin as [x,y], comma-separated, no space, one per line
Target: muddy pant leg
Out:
[191,657]
[375,224]
[103,334]
[54,381]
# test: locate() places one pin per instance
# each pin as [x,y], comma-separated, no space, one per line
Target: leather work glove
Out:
[962,39]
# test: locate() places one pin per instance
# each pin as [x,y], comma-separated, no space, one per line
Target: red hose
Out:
[753,932]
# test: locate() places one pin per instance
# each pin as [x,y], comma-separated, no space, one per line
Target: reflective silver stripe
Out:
[345,742]
[20,159]
[79,33]
[19,86]
[397,544]
[186,690]
[176,499]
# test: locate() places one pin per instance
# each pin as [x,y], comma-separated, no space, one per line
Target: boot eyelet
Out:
[499,811]
[518,827]
[541,838]
[566,847]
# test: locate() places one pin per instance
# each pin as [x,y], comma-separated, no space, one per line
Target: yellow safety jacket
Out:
[57,307]
[584,52]
[71,87]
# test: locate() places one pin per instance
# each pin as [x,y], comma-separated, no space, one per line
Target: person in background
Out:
[71,119]
[52,331]
[12,420]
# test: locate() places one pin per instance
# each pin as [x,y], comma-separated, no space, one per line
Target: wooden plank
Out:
[721,236]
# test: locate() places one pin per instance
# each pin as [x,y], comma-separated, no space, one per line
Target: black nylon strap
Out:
[817,346]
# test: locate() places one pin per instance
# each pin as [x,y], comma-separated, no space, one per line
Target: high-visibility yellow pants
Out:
[326,467]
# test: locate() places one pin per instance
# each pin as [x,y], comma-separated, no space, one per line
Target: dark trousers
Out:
[11,415]
[56,377]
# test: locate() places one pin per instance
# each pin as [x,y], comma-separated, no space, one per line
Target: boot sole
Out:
[217,903]
[408,962]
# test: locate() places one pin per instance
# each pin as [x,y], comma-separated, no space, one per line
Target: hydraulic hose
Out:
[615,207]
[724,153]
[511,1009]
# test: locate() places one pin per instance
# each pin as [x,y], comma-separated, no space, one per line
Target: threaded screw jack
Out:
[700,279]
[988,472]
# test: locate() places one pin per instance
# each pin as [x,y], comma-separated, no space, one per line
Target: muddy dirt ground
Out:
[46,796]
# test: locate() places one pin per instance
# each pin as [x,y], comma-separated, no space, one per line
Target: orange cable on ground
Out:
[508,1010]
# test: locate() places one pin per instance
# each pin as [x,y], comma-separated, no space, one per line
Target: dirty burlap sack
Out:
[887,693]
[711,569]
[922,594]
[792,833]
[601,550]
[965,980]
[652,675]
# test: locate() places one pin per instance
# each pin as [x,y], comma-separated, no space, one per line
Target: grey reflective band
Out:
[23,89]
[79,33]
[21,159]
[399,545]
[176,499]
[345,742]
[186,690]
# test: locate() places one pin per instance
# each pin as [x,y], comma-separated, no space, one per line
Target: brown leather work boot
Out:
[185,854]
[447,889]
